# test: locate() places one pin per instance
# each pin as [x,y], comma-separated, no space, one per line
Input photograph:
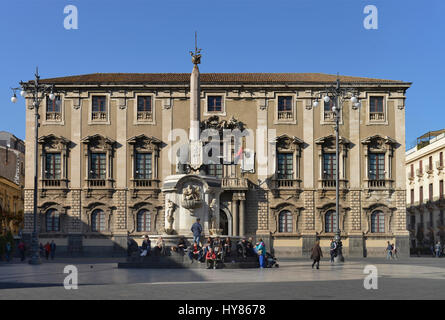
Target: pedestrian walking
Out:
[260,249]
[8,250]
[438,249]
[333,250]
[52,248]
[42,250]
[47,250]
[388,251]
[197,230]
[394,252]
[316,254]
[21,248]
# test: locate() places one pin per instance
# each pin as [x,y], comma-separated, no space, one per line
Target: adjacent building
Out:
[12,178]
[425,176]
[106,146]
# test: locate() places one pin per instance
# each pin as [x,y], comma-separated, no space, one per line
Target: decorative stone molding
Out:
[322,210]
[368,211]
[285,206]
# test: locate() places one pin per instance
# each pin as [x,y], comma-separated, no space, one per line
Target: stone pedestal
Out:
[192,195]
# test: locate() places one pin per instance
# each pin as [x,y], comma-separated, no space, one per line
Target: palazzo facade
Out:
[106,146]
[425,176]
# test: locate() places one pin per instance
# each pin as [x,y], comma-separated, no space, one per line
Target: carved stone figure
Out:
[212,214]
[171,207]
[191,193]
[191,197]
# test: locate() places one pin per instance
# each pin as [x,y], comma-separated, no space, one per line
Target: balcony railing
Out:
[99,116]
[330,183]
[410,175]
[419,173]
[145,183]
[97,183]
[285,115]
[51,183]
[287,184]
[439,165]
[53,116]
[145,115]
[376,116]
[379,184]
[329,116]
[235,183]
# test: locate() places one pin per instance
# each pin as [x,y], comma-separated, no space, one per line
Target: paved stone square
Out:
[415,278]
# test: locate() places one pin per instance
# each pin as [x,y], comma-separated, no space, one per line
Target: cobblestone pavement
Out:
[415,278]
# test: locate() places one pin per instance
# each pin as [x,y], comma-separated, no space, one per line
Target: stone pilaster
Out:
[309,210]
[28,211]
[75,225]
[120,223]
[355,213]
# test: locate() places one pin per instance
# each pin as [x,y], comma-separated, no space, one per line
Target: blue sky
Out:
[236,36]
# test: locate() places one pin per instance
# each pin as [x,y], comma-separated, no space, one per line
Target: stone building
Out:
[425,176]
[106,149]
[12,178]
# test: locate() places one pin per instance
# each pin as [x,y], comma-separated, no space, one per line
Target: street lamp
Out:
[336,93]
[37,92]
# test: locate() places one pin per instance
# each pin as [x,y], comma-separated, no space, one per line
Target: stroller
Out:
[271,261]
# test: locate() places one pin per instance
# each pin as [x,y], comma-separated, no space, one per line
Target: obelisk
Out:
[195,98]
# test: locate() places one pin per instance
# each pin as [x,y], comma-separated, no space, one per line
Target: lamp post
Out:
[337,93]
[37,92]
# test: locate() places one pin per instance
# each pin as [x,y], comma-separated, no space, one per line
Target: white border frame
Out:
[135,108]
[62,111]
[90,108]
[294,108]
[223,112]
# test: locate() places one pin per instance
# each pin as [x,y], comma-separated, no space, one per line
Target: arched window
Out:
[144,221]
[377,222]
[331,221]
[285,221]
[52,220]
[98,220]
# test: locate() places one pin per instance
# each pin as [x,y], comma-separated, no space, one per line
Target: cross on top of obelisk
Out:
[196,56]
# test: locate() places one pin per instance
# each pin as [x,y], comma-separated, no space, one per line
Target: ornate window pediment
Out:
[213,122]
[328,142]
[143,143]
[53,142]
[285,142]
[99,142]
[378,142]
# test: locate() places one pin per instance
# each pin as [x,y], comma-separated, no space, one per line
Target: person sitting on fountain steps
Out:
[211,259]
[195,252]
